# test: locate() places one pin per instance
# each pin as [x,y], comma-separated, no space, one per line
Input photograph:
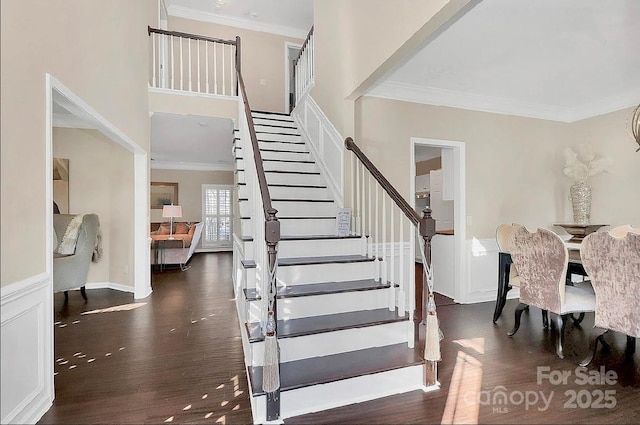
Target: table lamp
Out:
[171,211]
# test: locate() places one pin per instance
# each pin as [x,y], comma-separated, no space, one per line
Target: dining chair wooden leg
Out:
[545,319]
[631,345]
[518,314]
[84,293]
[562,324]
[503,285]
[604,343]
[66,296]
[577,321]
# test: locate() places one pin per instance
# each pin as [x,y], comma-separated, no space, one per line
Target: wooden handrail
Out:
[191,36]
[404,206]
[262,179]
[306,41]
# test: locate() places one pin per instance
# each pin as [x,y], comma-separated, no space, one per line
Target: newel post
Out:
[238,62]
[272,237]
[427,231]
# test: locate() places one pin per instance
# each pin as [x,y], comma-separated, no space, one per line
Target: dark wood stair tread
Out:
[248,264]
[327,323]
[301,200]
[324,288]
[258,111]
[329,259]
[336,367]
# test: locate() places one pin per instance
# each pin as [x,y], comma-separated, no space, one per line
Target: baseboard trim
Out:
[110,285]
[219,249]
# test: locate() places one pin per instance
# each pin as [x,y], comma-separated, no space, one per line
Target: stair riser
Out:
[288,147]
[280,192]
[318,305]
[295,156]
[327,343]
[342,393]
[308,227]
[284,166]
[301,179]
[269,138]
[255,114]
[268,128]
[305,209]
[278,121]
[316,273]
[319,248]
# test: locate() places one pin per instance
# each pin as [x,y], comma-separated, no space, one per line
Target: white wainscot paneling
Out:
[482,266]
[325,144]
[26,333]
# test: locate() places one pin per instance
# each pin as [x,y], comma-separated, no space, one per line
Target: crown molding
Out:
[454,99]
[190,166]
[198,15]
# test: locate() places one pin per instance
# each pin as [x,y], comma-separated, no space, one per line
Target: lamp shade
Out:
[172,211]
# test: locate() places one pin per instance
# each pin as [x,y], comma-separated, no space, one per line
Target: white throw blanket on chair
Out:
[68,244]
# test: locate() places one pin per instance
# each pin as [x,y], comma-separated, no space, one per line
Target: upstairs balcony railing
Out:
[303,67]
[193,63]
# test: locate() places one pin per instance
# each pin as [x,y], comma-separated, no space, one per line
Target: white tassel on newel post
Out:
[271,368]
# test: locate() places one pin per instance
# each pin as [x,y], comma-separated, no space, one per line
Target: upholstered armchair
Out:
[612,260]
[542,259]
[70,271]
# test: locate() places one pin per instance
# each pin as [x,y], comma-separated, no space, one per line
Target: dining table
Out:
[574,267]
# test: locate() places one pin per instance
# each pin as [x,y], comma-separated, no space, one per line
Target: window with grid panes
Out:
[217,206]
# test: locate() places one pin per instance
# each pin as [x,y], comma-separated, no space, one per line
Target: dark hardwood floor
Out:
[176,357]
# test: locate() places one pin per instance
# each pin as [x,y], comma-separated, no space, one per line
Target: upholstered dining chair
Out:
[509,277]
[542,259]
[612,260]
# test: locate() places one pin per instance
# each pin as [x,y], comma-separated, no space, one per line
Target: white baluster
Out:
[189,47]
[402,292]
[231,70]
[198,41]
[206,64]
[181,66]
[362,213]
[357,212]
[353,190]
[173,86]
[376,240]
[369,224]
[392,258]
[153,49]
[215,68]
[224,88]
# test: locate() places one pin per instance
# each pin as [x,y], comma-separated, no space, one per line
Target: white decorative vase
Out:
[580,197]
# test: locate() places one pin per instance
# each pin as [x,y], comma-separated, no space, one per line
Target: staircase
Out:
[341,337]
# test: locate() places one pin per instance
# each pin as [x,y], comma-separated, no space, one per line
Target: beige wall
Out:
[424,167]
[104,63]
[353,49]
[513,164]
[189,190]
[173,103]
[100,178]
[263,58]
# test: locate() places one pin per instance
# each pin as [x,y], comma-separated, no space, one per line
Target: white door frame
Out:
[459,207]
[140,217]
[288,45]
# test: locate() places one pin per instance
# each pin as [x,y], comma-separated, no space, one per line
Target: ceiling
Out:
[558,60]
[292,18]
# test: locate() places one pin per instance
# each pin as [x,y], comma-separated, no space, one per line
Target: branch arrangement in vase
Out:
[582,163]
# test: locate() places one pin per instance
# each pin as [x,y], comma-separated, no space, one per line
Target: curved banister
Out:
[191,36]
[404,206]
[306,41]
